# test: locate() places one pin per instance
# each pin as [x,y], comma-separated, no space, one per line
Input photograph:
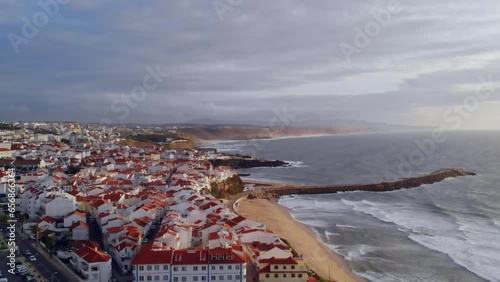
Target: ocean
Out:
[448,231]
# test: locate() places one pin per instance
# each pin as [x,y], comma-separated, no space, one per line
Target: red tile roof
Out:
[79,223]
[93,255]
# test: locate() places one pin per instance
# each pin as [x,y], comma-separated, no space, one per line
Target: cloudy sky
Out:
[244,60]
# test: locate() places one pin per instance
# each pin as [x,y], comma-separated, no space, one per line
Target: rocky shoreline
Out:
[434,177]
[239,162]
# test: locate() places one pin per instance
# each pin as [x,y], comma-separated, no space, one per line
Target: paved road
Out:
[42,264]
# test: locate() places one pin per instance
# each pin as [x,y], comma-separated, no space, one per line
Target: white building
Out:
[189,265]
[92,264]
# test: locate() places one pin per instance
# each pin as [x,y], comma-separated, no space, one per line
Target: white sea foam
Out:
[327,233]
[470,242]
[359,252]
[296,164]
[344,226]
[388,277]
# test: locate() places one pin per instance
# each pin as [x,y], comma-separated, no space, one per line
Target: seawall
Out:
[434,177]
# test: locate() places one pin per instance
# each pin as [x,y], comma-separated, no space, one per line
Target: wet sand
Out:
[317,256]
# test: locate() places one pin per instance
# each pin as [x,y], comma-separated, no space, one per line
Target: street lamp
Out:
[52,276]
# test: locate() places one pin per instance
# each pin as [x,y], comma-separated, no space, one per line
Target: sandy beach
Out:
[316,255]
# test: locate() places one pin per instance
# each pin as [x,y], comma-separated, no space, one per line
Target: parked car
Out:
[32,258]
[32,236]
[27,252]
[29,278]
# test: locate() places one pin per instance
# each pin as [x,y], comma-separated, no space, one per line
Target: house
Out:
[289,269]
[92,264]
[46,223]
[79,231]
[60,205]
[73,217]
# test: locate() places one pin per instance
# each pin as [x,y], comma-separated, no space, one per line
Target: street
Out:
[42,264]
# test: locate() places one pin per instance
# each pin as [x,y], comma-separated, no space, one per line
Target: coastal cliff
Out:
[227,188]
[434,177]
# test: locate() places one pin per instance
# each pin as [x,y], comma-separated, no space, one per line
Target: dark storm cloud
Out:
[263,56]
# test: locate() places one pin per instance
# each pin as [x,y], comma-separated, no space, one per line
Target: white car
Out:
[32,258]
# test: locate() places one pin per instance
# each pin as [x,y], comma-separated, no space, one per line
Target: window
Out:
[157,267]
[176,279]
[195,268]
[267,275]
[183,278]
[237,277]
[230,267]
[157,277]
[221,277]
[149,267]
[221,267]
[293,266]
[284,275]
[203,268]
[276,275]
[213,267]
[176,268]
[94,268]
[300,275]
[275,267]
[203,278]
[293,275]
[165,277]
[141,267]
[149,278]
[229,277]
[183,268]
[133,267]
[195,278]
[141,278]
[165,267]
[284,266]
[212,277]
[238,266]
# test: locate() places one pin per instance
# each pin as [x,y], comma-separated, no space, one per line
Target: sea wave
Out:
[469,241]
[296,164]
[388,277]
[358,252]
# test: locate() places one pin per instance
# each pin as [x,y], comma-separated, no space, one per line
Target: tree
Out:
[51,243]
[35,232]
[22,219]
[4,219]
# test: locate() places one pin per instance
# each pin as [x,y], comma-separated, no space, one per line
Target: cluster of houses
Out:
[151,210]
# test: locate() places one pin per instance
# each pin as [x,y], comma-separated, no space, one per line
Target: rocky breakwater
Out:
[238,162]
[405,183]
